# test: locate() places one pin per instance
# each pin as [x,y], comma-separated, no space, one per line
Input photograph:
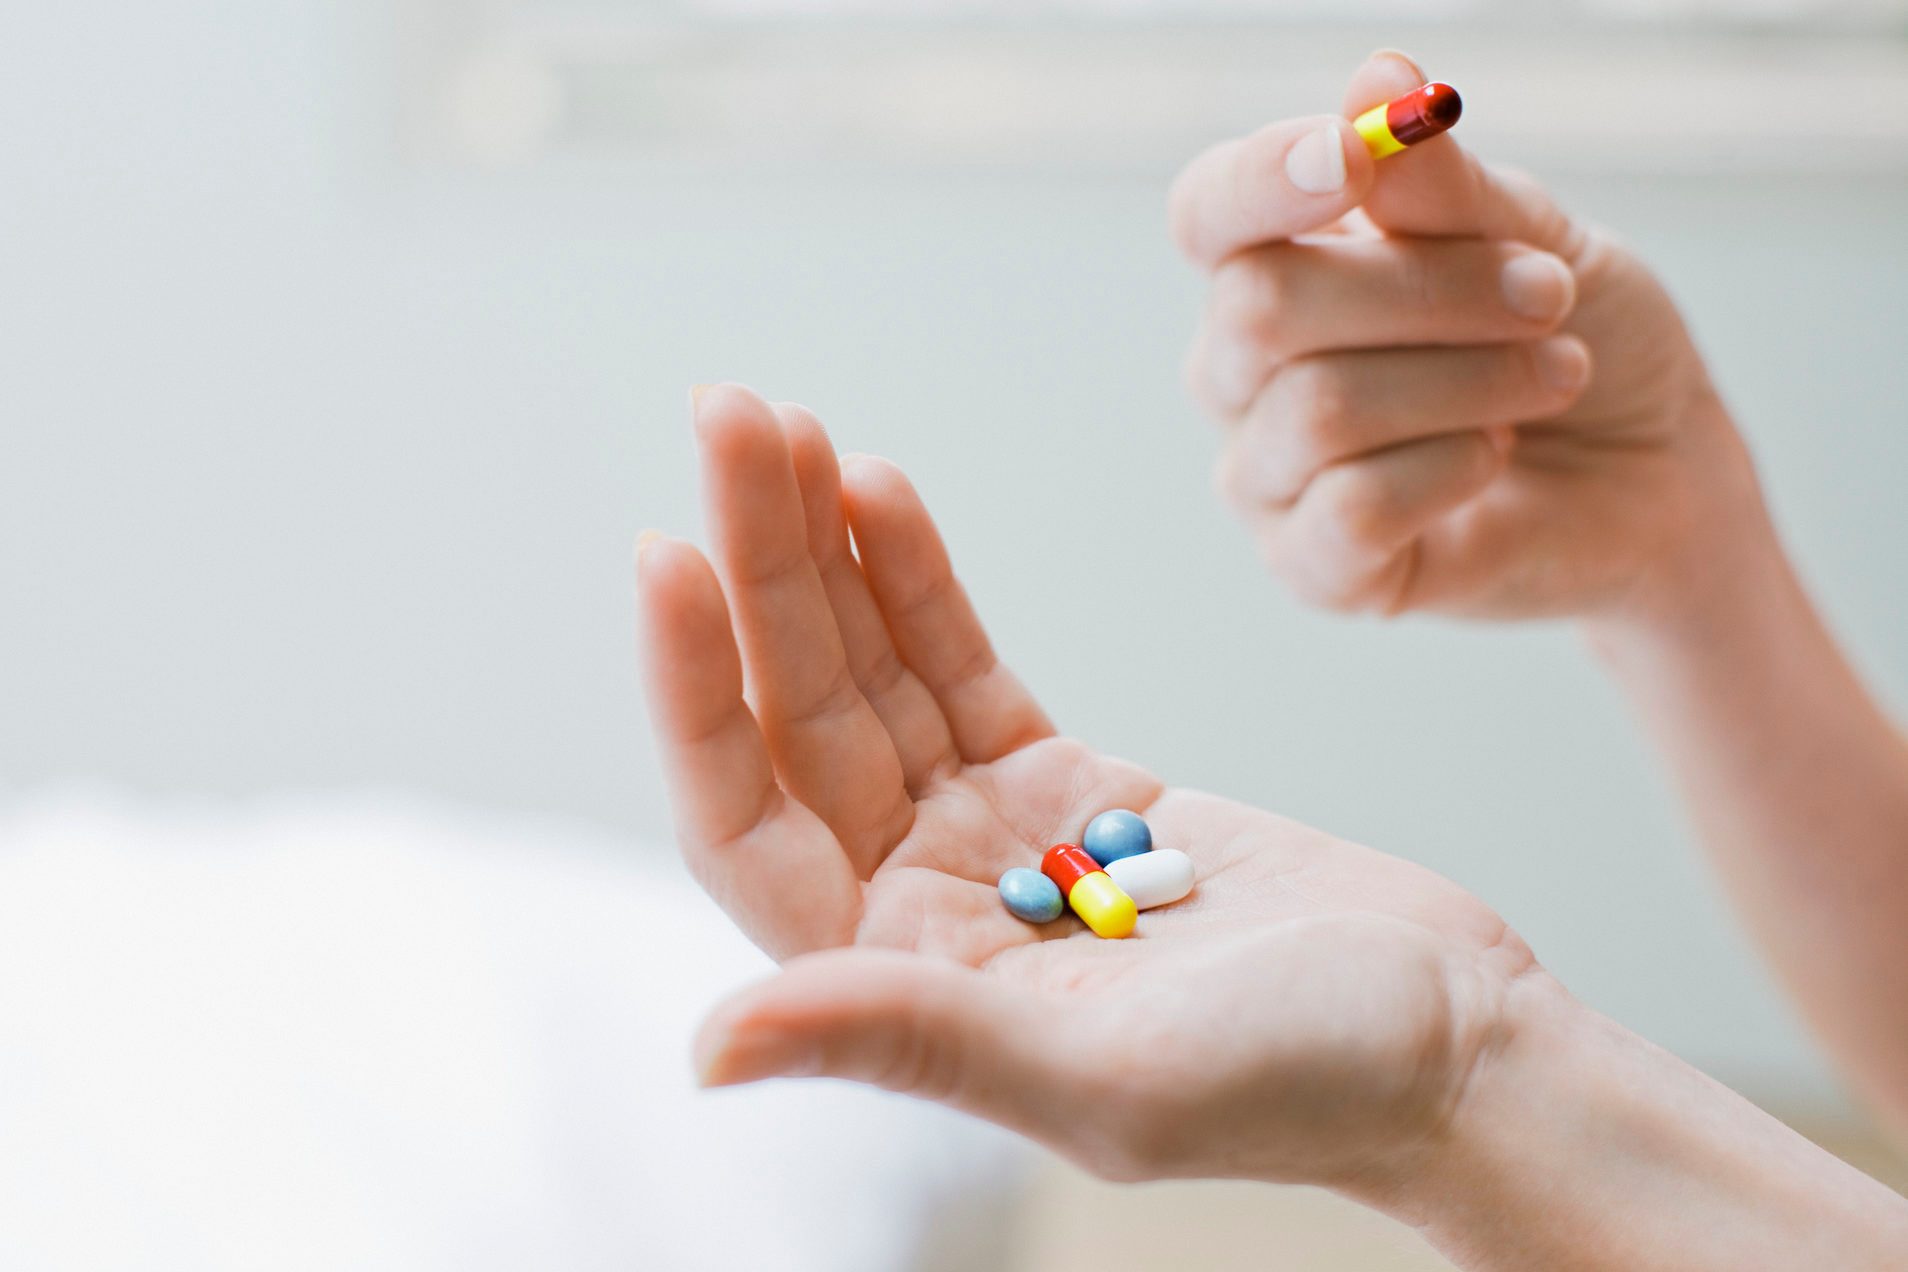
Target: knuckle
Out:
[1323,589]
[1524,381]
[1181,215]
[1420,283]
[1201,377]
[1303,574]
[1343,593]
[1250,300]
[1362,510]
[824,707]
[1310,404]
[1225,477]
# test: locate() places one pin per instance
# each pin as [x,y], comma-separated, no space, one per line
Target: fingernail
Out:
[1402,56]
[1537,286]
[1562,362]
[1316,164]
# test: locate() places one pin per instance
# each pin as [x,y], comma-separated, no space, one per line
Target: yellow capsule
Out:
[1105,908]
[1406,121]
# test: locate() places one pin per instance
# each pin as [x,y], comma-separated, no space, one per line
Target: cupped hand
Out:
[1440,391]
[1311,1012]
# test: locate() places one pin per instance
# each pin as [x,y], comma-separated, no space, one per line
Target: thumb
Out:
[905,1022]
[1285,179]
[1439,188]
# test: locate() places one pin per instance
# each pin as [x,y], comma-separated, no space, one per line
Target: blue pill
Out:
[1030,895]
[1116,833]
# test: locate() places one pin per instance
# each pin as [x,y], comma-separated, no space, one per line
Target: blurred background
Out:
[346,350]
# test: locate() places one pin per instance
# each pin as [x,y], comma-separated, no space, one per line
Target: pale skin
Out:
[1397,476]
[852,768]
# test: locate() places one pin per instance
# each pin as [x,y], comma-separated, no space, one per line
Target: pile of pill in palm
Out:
[1112,874]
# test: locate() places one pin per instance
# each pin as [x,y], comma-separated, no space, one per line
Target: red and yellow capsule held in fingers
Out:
[1420,114]
[1092,894]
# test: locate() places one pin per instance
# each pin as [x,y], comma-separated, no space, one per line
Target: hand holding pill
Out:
[875,810]
[1440,391]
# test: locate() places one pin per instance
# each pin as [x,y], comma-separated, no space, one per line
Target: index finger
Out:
[744,838]
[1287,178]
[1438,188]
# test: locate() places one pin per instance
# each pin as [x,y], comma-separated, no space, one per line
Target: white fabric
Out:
[373,1034]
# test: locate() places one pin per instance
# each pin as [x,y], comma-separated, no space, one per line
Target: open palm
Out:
[1312,1008]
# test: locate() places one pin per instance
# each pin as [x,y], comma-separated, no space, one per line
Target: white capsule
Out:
[1159,877]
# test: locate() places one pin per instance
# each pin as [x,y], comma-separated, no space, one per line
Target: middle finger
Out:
[1273,304]
[830,749]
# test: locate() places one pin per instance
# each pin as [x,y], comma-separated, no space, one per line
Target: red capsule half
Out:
[1421,114]
[1066,865]
[1090,891]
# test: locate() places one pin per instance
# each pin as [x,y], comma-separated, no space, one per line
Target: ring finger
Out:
[1323,409]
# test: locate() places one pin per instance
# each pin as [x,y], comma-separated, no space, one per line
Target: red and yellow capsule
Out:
[1405,121]
[1093,896]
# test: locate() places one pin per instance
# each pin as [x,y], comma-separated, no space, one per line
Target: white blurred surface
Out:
[371,1033]
[321,470]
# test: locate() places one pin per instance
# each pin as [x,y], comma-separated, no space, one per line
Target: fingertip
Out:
[1322,161]
[1538,286]
[1478,458]
[807,1017]
[684,615]
[719,410]
[1288,177]
[882,503]
[737,1059]
[818,476]
[1360,168]
[1563,364]
[809,443]
[1385,74]
[708,1050]
[1410,64]
[1224,477]
[1427,188]
[751,500]
[645,542]
[871,479]
[661,558]
[798,414]
[731,1049]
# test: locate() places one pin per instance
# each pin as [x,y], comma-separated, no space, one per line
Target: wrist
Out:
[1534,1028]
[1576,1143]
[1717,563]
